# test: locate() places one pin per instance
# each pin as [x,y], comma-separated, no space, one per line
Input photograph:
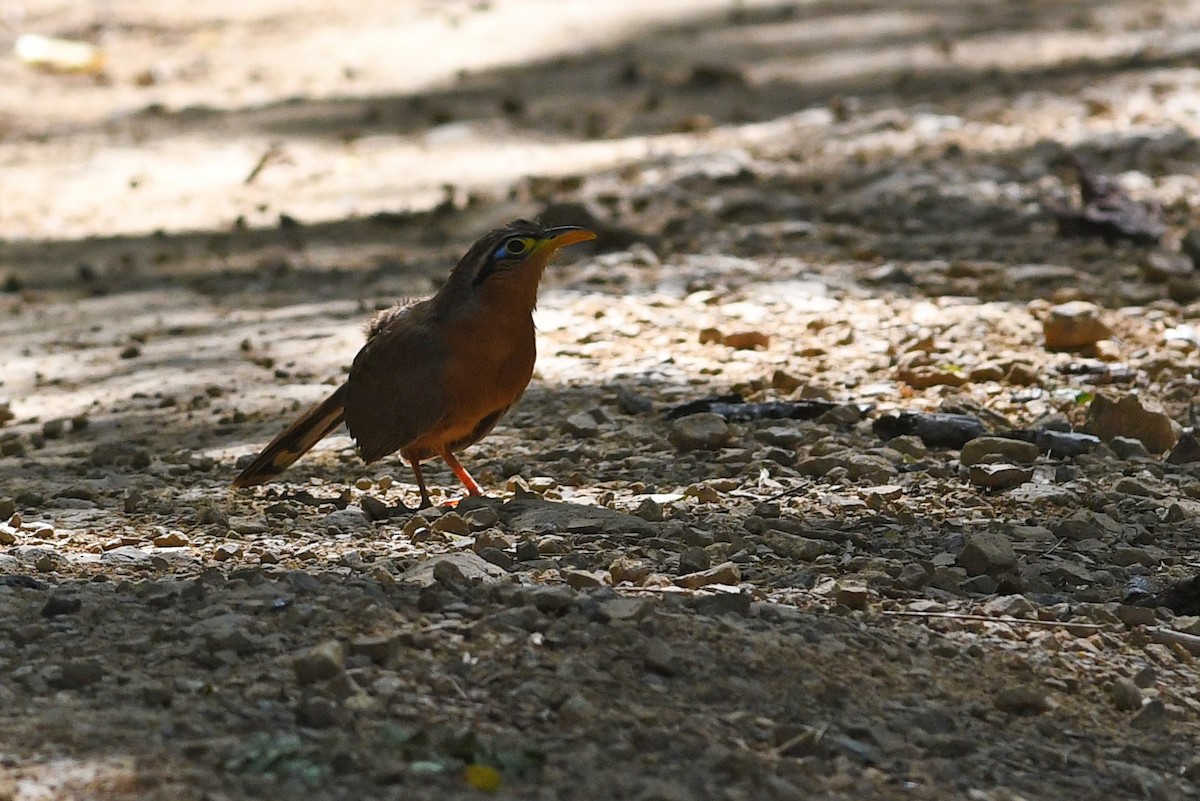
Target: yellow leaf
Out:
[483,777]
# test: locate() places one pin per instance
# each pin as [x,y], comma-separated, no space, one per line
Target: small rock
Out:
[127,556]
[576,709]
[1152,715]
[322,662]
[226,551]
[582,579]
[551,597]
[374,508]
[1186,450]
[796,547]
[452,523]
[616,610]
[1128,448]
[1009,605]
[482,518]
[230,631]
[352,518]
[1072,325]
[988,450]
[1022,699]
[317,712]
[649,510]
[979,585]
[61,605]
[746,340]
[378,649]
[718,604]
[854,596]
[582,425]
[988,553]
[704,431]
[724,573]
[625,568]
[659,658]
[1128,485]
[76,674]
[630,402]
[1000,476]
[1128,417]
[1126,695]
[694,560]
[457,568]
[172,539]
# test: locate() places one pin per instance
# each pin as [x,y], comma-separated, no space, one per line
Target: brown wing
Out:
[395,390]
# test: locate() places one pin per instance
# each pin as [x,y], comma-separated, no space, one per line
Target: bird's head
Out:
[514,256]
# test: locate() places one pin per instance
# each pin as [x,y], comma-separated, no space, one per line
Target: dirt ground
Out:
[647,606]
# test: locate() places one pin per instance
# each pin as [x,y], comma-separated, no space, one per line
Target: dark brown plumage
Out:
[436,376]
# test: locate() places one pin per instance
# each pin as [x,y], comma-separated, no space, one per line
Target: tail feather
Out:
[295,441]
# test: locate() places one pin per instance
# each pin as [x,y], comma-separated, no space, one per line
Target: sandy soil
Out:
[646,608]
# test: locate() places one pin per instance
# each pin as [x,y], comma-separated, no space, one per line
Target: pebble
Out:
[582,579]
[1126,695]
[374,508]
[171,539]
[1000,476]
[796,547]
[1128,448]
[987,553]
[704,431]
[1072,325]
[352,518]
[458,568]
[694,559]
[127,556]
[1022,699]
[1152,715]
[452,523]
[59,604]
[576,709]
[226,551]
[320,663]
[76,674]
[659,658]
[583,425]
[1010,606]
[230,631]
[1128,417]
[854,596]
[550,597]
[649,510]
[317,712]
[630,402]
[719,604]
[986,450]
[632,570]
[724,573]
[1186,450]
[616,610]
[483,517]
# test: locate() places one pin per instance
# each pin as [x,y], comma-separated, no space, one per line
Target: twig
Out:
[1163,636]
[1009,620]
[273,150]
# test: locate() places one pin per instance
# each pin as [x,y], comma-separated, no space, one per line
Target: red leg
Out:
[416,467]
[461,472]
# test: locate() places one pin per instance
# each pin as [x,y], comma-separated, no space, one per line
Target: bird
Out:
[435,376]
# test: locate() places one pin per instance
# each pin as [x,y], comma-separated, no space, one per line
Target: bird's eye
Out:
[516,246]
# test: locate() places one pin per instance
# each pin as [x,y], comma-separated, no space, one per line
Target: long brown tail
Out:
[295,441]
